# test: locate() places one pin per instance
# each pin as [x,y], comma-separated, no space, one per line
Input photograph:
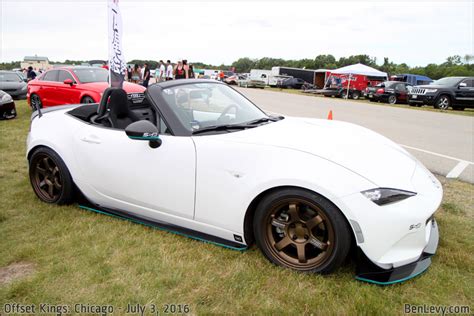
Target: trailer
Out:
[316,77]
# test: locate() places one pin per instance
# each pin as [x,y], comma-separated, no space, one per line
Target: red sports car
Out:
[73,85]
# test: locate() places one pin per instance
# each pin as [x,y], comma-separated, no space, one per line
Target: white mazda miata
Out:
[198,158]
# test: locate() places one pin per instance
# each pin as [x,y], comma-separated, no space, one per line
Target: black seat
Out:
[120,115]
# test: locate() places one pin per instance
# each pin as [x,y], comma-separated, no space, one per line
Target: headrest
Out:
[102,109]
[118,102]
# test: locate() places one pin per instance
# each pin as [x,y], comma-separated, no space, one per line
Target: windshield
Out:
[9,77]
[448,81]
[87,75]
[200,105]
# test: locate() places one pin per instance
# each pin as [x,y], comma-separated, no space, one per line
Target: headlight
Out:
[430,90]
[6,98]
[383,196]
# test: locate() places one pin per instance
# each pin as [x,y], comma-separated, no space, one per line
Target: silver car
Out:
[13,84]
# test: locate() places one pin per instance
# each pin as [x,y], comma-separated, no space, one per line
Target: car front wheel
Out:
[443,102]
[50,177]
[301,230]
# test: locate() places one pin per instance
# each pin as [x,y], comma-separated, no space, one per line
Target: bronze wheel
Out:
[301,230]
[49,177]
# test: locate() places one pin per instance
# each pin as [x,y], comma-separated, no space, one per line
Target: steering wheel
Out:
[226,110]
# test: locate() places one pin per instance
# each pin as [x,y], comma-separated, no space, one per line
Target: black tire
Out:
[87,100]
[35,102]
[443,102]
[301,230]
[392,99]
[355,95]
[50,178]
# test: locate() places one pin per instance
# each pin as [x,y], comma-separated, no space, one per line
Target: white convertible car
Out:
[198,158]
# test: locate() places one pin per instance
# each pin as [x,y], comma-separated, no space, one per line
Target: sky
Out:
[220,32]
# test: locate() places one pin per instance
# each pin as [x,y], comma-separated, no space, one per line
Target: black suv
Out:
[455,92]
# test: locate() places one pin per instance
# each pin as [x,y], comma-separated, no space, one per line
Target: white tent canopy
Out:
[359,69]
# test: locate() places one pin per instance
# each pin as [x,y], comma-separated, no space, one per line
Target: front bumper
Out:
[7,111]
[428,99]
[369,272]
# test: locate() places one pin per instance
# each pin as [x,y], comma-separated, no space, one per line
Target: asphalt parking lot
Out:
[444,142]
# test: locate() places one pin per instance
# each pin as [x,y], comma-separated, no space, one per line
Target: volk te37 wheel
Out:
[301,230]
[50,177]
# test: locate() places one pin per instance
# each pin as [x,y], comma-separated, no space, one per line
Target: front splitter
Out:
[367,271]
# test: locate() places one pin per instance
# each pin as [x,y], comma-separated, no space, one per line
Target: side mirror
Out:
[462,85]
[68,81]
[144,130]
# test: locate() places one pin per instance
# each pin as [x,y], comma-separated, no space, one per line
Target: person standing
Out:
[191,72]
[161,72]
[129,73]
[146,75]
[180,71]
[30,75]
[169,70]
[135,74]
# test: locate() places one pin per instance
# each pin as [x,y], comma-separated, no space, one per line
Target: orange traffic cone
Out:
[330,115]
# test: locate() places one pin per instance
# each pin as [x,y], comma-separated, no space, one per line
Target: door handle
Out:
[92,139]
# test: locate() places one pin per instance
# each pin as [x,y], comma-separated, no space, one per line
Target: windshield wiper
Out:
[221,128]
[264,120]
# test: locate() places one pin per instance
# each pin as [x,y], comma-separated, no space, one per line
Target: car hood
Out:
[101,86]
[353,147]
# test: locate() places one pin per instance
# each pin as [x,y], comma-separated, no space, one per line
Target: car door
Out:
[47,88]
[465,92]
[126,174]
[66,93]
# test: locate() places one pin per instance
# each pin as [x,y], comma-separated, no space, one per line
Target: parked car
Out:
[389,91]
[294,83]
[232,80]
[13,84]
[231,175]
[7,106]
[414,80]
[251,82]
[455,92]
[73,85]
[274,81]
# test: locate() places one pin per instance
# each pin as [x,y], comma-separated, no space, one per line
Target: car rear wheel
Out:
[443,102]
[50,177]
[392,99]
[35,102]
[301,230]
[87,99]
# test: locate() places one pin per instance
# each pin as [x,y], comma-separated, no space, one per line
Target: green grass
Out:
[83,257]
[466,112]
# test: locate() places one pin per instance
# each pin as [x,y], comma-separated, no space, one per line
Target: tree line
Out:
[453,66]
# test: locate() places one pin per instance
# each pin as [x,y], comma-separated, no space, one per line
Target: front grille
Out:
[418,91]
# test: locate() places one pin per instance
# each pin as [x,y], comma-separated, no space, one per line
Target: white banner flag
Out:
[117,65]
